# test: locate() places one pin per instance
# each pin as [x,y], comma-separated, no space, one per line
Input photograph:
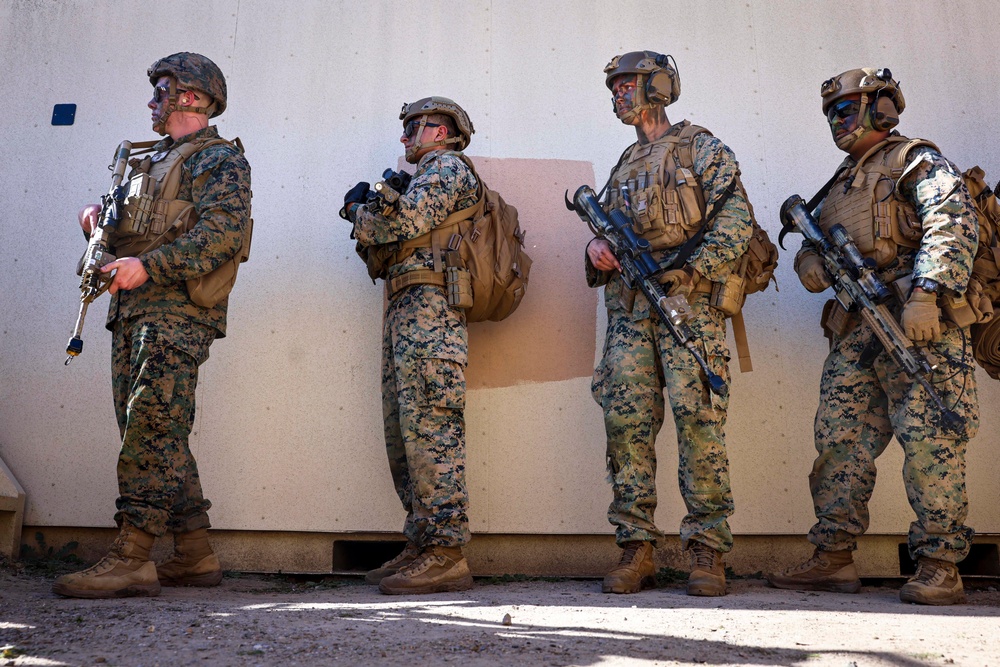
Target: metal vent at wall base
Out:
[359,556]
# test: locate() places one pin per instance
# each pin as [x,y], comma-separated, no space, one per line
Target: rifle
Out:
[93,283]
[640,270]
[856,286]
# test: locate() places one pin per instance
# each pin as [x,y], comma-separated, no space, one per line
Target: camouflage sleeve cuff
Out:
[595,277]
[156,267]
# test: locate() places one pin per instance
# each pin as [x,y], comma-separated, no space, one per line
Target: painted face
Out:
[843,117]
[623,93]
[157,104]
[847,125]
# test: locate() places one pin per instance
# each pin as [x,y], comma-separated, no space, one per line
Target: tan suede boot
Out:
[634,572]
[391,567]
[708,571]
[436,570]
[193,562]
[936,582]
[826,571]
[125,572]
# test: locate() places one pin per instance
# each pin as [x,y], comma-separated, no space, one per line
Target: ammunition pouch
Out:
[837,321]
[668,205]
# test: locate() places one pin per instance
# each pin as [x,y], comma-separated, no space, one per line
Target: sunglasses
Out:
[161,93]
[412,126]
[843,110]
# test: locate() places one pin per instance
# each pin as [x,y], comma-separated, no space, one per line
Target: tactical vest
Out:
[668,208]
[865,200]
[154,216]
[667,203]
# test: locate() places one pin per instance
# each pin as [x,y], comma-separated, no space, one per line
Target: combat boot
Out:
[635,570]
[708,571]
[125,572]
[391,567]
[825,571]
[936,582]
[437,569]
[193,562]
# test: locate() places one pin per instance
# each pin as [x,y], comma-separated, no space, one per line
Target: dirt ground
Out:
[276,620]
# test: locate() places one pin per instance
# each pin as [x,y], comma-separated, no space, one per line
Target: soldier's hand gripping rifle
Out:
[93,283]
[856,285]
[385,196]
[640,271]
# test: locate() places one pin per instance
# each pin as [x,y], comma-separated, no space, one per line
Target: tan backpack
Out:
[983,293]
[484,266]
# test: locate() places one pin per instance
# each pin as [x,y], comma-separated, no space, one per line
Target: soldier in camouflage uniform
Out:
[424,351]
[161,337]
[908,210]
[641,359]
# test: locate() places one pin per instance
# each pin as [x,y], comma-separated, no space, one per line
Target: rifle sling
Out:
[688,248]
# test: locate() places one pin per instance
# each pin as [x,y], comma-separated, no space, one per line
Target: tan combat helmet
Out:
[657,81]
[880,94]
[189,71]
[432,105]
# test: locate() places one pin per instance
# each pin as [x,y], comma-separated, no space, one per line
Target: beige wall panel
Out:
[288,431]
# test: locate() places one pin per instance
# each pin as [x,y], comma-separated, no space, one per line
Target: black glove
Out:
[358,194]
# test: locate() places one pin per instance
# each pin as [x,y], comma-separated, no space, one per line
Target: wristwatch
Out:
[926,284]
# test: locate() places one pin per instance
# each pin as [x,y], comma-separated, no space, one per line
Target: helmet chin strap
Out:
[641,103]
[171,106]
[411,153]
[848,140]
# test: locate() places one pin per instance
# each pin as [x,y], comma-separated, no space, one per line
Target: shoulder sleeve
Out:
[729,233]
[934,186]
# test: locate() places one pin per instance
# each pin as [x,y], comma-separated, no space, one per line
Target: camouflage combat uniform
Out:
[863,404]
[161,337]
[424,354]
[641,360]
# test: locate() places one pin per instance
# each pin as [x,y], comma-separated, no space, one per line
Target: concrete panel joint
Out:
[11,513]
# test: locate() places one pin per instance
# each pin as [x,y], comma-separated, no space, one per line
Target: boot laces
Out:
[422,563]
[630,553]
[704,556]
[408,553]
[930,573]
[814,561]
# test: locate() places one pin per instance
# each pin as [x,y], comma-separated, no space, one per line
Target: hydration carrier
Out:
[684,203]
[153,216]
[479,257]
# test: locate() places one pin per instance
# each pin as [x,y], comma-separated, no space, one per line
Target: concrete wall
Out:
[288,427]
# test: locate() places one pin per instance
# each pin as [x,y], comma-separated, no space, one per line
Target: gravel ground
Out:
[275,620]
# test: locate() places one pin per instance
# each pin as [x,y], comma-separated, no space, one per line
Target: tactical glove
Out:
[680,281]
[357,195]
[812,273]
[921,317]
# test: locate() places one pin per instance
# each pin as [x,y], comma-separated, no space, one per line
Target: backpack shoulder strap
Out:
[901,163]
[172,181]
[685,143]
[461,215]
